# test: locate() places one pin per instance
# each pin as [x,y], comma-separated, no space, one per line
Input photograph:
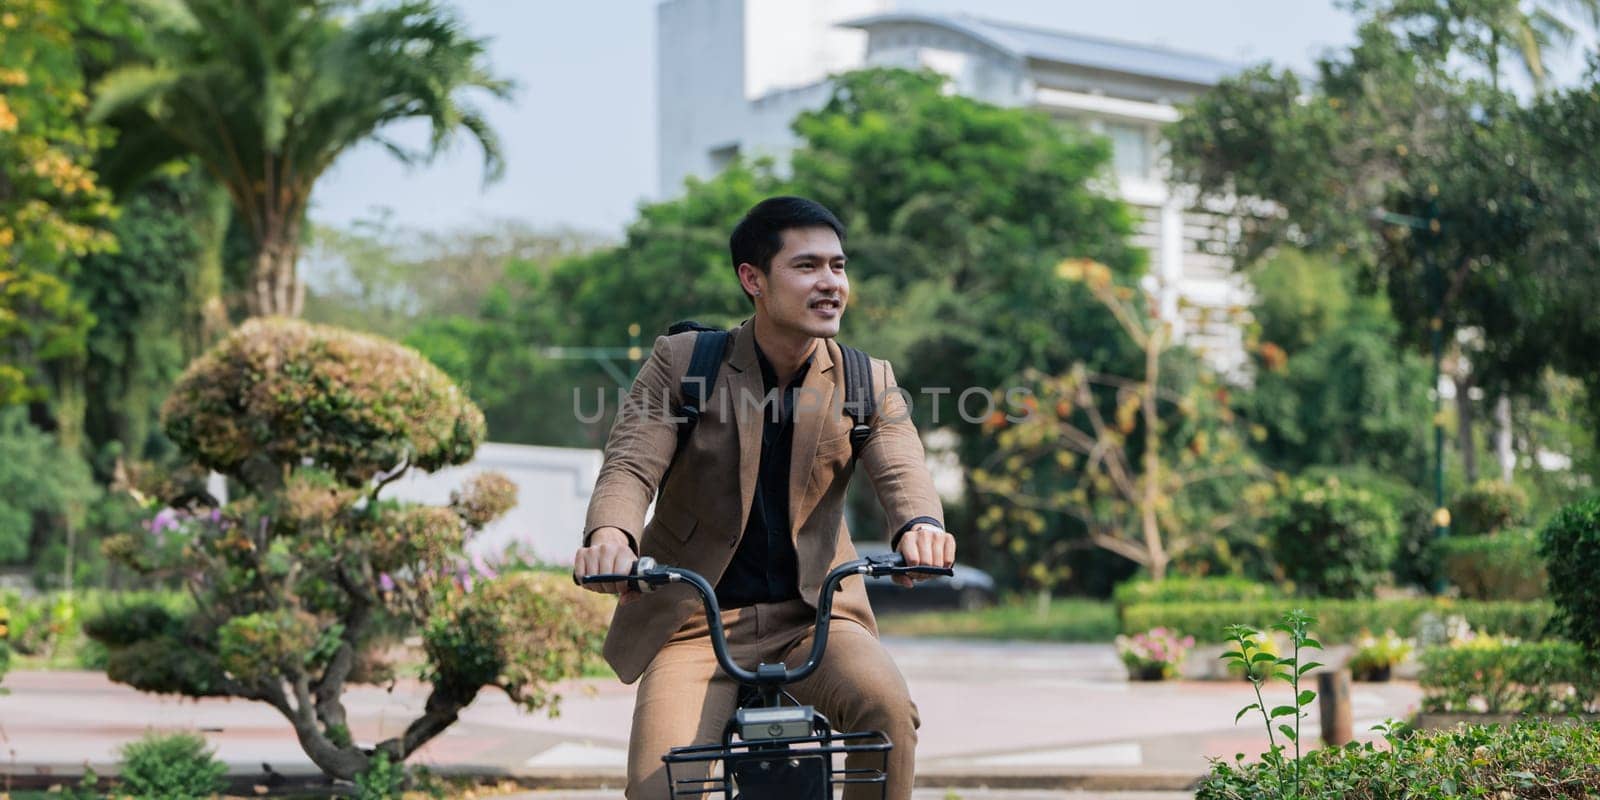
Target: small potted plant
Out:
[1376,656]
[1154,655]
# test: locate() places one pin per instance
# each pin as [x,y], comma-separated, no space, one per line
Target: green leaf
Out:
[1306,697]
[1260,657]
[1284,711]
[1283,675]
[1243,711]
[1289,732]
[1312,643]
[1304,668]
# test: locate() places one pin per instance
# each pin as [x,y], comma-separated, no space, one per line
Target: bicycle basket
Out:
[798,768]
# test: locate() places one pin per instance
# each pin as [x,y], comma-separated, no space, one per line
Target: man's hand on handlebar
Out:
[608,553]
[925,546]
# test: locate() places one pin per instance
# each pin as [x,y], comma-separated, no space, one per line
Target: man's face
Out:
[807,289]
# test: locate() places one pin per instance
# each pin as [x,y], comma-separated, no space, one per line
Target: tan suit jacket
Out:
[702,509]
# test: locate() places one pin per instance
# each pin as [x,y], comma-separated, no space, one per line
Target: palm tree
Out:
[1537,26]
[266,94]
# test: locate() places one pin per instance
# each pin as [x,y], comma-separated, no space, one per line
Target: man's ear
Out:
[750,278]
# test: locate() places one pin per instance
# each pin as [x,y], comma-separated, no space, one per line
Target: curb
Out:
[305,781]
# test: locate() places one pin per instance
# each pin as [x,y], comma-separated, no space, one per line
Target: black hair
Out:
[759,236]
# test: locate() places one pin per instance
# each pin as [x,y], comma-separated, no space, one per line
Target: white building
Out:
[734,73]
[553,489]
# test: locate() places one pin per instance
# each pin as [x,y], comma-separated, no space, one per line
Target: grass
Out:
[1070,619]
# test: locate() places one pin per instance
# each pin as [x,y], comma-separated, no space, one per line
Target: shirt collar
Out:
[769,376]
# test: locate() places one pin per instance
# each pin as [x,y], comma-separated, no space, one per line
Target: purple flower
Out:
[482,567]
[385,583]
[165,520]
[216,515]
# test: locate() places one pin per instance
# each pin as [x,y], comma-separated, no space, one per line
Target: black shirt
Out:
[765,568]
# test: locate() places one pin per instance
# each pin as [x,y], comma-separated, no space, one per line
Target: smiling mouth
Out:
[826,304]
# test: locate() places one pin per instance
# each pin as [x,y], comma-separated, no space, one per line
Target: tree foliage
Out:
[1134,458]
[1412,120]
[52,208]
[267,94]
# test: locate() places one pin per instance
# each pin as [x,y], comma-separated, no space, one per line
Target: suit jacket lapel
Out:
[813,403]
[745,392]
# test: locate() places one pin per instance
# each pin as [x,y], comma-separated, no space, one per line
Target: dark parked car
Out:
[970,588]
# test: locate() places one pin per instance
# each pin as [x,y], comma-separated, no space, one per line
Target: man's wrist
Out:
[609,535]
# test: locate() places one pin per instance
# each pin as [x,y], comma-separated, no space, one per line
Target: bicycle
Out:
[772,751]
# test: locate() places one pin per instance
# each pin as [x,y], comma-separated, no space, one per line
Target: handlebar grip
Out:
[895,564]
[644,576]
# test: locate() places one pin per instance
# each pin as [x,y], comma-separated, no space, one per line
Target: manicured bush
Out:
[1525,760]
[1333,538]
[310,572]
[1570,545]
[1488,507]
[1501,566]
[1181,589]
[171,767]
[1486,675]
[1339,620]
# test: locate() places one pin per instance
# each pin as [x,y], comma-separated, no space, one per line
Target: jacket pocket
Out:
[677,521]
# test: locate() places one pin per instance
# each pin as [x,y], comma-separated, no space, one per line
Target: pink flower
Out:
[385,583]
[482,567]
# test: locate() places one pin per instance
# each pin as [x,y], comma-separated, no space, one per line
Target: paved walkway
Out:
[1003,715]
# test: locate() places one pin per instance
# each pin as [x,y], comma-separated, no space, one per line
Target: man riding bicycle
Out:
[754,501]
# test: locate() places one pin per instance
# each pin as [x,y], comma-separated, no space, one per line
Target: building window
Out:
[1130,149]
[723,156]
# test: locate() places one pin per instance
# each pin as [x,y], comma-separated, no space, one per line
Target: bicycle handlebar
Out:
[646,575]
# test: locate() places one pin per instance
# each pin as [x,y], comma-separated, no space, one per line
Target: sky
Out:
[579,135]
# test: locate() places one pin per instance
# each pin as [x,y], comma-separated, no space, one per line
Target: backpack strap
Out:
[859,401]
[693,390]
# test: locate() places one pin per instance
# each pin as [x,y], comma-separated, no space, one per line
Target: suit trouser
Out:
[684,697]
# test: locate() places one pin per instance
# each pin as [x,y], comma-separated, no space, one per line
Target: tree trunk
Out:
[207,313]
[275,287]
[1152,458]
[1466,424]
[1502,438]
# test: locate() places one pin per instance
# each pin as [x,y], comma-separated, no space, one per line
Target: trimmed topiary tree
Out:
[1570,545]
[303,579]
[1334,539]
[1488,507]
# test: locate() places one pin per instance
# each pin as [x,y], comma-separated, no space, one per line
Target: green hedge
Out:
[1528,759]
[1192,590]
[1552,677]
[1504,566]
[1338,620]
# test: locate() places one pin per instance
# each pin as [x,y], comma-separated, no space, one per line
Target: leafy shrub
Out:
[1153,655]
[1416,560]
[383,780]
[1334,539]
[1492,676]
[1570,545]
[1502,566]
[1525,760]
[1488,507]
[1179,589]
[1340,620]
[5,642]
[171,767]
[1375,656]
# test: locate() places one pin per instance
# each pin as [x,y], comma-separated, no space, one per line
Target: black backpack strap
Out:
[693,390]
[859,401]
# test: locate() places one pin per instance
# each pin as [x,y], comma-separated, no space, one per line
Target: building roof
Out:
[1026,41]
